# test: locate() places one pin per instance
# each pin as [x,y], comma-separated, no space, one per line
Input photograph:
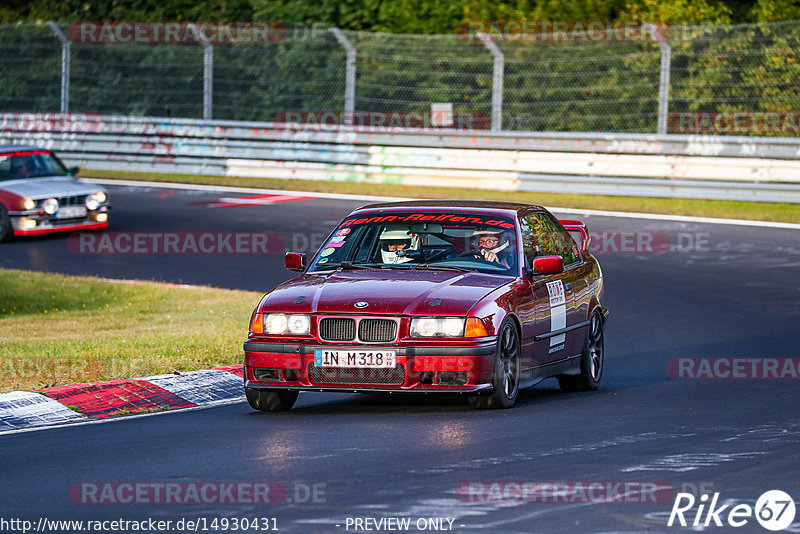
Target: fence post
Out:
[663,82]
[350,75]
[208,81]
[497,81]
[65,66]
[208,74]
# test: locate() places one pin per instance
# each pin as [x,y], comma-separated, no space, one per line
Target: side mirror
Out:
[74,171]
[548,264]
[294,261]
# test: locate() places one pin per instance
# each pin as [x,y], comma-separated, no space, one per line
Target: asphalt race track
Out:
[719,291]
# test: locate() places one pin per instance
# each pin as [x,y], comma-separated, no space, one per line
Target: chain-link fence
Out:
[649,85]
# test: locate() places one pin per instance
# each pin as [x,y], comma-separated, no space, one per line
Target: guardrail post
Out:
[663,82]
[497,81]
[65,66]
[350,75]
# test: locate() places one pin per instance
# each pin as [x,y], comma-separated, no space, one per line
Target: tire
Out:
[6,232]
[270,401]
[505,377]
[592,359]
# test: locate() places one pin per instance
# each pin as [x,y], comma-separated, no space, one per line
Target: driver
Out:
[21,168]
[396,244]
[490,243]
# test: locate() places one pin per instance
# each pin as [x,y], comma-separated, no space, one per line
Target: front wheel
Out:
[592,360]
[506,371]
[270,401]
[6,232]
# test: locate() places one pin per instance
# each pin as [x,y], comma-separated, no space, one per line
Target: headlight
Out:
[280,323]
[94,200]
[437,327]
[50,206]
[29,204]
[299,324]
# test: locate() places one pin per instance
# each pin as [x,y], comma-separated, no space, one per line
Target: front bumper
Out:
[419,369]
[46,224]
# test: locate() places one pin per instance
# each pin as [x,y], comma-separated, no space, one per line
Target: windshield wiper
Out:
[442,267]
[345,265]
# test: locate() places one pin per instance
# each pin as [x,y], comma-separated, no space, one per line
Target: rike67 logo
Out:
[774,510]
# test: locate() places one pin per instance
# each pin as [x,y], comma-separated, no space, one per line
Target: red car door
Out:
[557,307]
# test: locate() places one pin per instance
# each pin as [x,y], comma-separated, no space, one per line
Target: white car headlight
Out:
[437,327]
[94,200]
[299,324]
[276,323]
[280,323]
[29,204]
[50,206]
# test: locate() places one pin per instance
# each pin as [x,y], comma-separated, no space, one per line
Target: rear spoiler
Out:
[578,226]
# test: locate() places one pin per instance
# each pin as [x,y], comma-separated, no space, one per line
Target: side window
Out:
[544,236]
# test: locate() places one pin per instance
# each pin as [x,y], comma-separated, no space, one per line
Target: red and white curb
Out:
[100,400]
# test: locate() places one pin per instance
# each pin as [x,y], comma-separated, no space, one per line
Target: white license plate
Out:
[71,212]
[362,359]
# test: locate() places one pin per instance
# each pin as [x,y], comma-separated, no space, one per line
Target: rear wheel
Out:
[592,360]
[6,232]
[270,401]
[506,371]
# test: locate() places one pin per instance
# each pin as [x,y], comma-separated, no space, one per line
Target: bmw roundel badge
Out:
[361,304]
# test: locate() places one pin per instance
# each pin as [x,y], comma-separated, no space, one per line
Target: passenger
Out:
[396,245]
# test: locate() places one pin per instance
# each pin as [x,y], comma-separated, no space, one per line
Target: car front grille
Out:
[377,330]
[79,200]
[348,375]
[370,330]
[337,329]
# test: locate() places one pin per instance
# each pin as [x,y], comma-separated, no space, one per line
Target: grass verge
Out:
[758,211]
[58,330]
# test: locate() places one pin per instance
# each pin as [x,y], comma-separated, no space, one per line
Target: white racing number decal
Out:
[558,313]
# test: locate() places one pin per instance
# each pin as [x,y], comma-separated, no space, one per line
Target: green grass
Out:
[57,330]
[758,211]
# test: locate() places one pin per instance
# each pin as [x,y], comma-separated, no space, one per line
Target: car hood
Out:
[393,292]
[56,186]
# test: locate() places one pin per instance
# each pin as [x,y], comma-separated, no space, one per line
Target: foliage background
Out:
[726,56]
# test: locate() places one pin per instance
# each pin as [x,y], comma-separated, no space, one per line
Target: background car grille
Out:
[346,375]
[337,329]
[79,200]
[377,330]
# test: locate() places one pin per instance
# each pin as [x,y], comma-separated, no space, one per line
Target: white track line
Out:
[342,196]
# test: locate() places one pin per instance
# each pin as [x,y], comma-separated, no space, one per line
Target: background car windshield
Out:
[406,240]
[29,164]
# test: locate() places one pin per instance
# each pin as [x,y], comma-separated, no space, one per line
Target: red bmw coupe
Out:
[477,298]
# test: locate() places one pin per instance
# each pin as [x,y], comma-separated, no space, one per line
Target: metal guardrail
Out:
[672,166]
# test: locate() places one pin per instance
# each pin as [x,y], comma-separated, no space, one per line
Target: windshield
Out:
[29,164]
[423,240]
